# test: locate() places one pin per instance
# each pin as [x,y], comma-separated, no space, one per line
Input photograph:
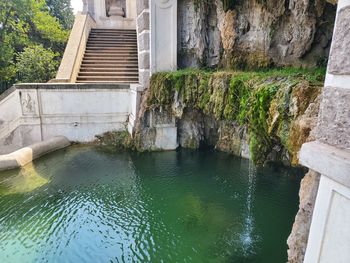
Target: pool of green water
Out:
[85,204]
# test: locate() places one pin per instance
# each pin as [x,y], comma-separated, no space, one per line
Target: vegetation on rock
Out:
[120,140]
[267,102]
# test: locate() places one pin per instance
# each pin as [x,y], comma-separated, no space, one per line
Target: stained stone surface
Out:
[334,120]
[254,33]
[297,241]
[339,63]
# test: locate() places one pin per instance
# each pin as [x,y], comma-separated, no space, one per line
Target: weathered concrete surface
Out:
[34,112]
[339,62]
[297,241]
[334,120]
[28,154]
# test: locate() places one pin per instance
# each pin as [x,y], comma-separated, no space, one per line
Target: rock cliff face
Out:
[265,116]
[254,33]
[297,241]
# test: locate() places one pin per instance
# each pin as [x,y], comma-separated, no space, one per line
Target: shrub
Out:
[37,64]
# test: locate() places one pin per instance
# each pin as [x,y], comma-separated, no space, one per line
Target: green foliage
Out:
[47,26]
[37,64]
[243,97]
[62,10]
[26,23]
[118,140]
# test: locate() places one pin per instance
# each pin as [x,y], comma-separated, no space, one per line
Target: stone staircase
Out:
[110,56]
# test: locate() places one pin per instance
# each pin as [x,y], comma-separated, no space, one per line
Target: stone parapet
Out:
[73,55]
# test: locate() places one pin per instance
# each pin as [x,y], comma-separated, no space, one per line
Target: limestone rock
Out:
[297,241]
[255,33]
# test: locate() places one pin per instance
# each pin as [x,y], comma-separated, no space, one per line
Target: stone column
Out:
[329,238]
[143,41]
[131,9]
[163,35]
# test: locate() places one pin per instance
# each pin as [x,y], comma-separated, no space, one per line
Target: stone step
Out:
[114,40]
[110,57]
[114,43]
[113,36]
[106,57]
[111,53]
[102,65]
[114,57]
[110,65]
[112,30]
[109,74]
[134,38]
[114,33]
[112,48]
[117,45]
[102,78]
[113,69]
[106,81]
[110,61]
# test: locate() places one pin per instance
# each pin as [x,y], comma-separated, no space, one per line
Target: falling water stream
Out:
[86,204]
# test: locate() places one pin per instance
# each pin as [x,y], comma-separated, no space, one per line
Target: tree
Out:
[27,23]
[62,10]
[37,64]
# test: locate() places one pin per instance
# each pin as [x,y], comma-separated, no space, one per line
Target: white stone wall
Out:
[163,35]
[80,112]
[329,238]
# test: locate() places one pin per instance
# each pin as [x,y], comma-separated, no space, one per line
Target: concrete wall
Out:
[329,238]
[33,113]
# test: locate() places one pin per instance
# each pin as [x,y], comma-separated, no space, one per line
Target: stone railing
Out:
[73,55]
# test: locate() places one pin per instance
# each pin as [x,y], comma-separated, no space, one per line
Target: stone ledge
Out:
[62,86]
[28,154]
[327,160]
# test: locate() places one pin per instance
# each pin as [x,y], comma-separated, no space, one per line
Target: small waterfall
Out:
[247,237]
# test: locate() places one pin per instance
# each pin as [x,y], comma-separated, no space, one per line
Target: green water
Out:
[87,205]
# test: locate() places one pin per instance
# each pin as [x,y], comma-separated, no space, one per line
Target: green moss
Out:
[120,140]
[252,99]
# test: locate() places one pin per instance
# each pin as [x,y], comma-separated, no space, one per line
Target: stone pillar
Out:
[131,9]
[163,35]
[329,238]
[143,41]
[143,45]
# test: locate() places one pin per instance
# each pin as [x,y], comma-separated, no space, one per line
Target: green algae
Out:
[259,100]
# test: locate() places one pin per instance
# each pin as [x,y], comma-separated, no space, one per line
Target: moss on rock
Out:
[266,102]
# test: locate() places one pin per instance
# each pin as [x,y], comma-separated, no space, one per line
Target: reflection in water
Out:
[27,180]
[83,203]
